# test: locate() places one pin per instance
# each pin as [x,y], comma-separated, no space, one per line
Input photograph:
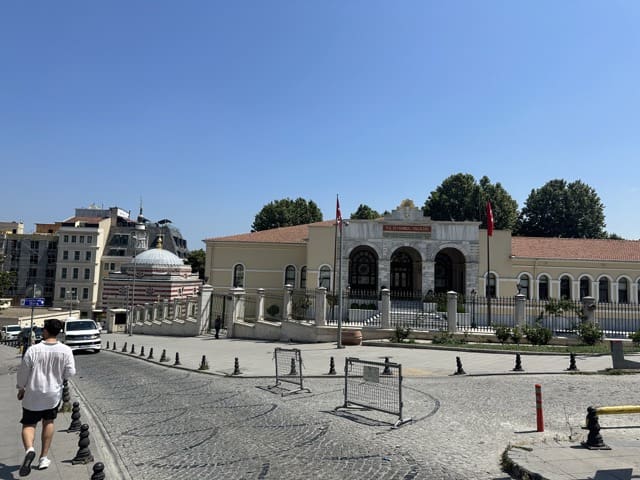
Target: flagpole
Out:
[488,280]
[338,227]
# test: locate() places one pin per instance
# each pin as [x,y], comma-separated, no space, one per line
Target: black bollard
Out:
[98,471]
[293,370]
[133,349]
[204,365]
[150,357]
[459,369]
[163,357]
[572,363]
[114,345]
[75,418]
[142,351]
[594,439]
[65,406]
[518,367]
[177,362]
[236,367]
[332,367]
[83,456]
[124,347]
[387,369]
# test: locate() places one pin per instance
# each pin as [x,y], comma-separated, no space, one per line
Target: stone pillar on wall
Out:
[204,308]
[452,311]
[385,309]
[237,313]
[288,303]
[321,306]
[589,309]
[520,319]
[260,311]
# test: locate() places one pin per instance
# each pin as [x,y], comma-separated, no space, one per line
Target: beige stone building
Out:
[412,255]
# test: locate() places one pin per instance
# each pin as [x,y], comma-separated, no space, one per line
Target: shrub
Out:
[502,333]
[589,332]
[400,334]
[354,306]
[273,310]
[447,338]
[635,337]
[516,335]
[537,334]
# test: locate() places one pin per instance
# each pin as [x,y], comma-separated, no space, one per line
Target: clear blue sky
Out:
[208,110]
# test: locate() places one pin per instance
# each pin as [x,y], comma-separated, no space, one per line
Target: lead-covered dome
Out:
[158,257]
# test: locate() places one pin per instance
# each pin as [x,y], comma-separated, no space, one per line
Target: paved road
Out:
[174,424]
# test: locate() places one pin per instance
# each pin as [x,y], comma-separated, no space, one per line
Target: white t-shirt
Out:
[43,369]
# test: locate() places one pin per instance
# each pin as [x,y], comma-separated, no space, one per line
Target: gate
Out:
[374,385]
[289,369]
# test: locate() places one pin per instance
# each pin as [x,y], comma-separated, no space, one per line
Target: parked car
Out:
[81,334]
[25,335]
[10,332]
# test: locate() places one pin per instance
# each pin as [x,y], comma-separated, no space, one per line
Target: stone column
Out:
[589,309]
[288,302]
[260,311]
[519,310]
[237,313]
[452,311]
[385,295]
[204,308]
[321,306]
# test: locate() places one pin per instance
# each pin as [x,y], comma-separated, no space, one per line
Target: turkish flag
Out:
[338,213]
[489,219]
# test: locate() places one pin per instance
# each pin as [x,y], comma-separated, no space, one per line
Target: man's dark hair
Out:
[53,326]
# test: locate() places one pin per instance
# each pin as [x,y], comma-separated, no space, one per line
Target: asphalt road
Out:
[173,424]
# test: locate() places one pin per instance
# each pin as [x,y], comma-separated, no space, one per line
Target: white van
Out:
[81,334]
[10,332]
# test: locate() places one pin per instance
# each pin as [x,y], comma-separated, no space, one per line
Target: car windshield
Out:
[15,328]
[88,325]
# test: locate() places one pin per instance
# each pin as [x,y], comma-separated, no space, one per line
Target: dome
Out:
[158,256]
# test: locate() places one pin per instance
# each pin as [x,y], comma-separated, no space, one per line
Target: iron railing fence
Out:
[303,305]
[618,319]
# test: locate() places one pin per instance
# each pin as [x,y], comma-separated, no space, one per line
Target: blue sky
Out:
[208,110]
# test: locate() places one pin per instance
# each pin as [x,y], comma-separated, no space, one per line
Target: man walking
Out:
[43,369]
[217,325]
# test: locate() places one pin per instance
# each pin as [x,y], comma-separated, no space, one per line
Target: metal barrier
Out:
[594,439]
[374,385]
[289,369]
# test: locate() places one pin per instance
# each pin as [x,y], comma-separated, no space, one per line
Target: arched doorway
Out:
[406,273]
[450,271]
[363,271]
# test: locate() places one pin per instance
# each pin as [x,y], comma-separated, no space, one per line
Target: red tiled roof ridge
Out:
[575,248]
[293,234]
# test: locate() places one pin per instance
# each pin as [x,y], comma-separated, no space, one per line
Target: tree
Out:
[561,209]
[196,259]
[365,212]
[7,280]
[286,213]
[460,198]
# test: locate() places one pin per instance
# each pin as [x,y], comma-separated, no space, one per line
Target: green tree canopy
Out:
[561,209]
[365,212]
[7,280]
[286,213]
[460,198]
[196,259]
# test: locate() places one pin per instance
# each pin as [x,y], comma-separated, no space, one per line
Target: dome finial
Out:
[159,242]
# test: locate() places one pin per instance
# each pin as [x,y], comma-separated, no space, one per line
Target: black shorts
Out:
[30,417]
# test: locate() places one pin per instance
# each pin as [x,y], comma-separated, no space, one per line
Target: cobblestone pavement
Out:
[173,424]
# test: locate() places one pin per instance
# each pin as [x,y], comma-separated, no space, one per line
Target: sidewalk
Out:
[65,444]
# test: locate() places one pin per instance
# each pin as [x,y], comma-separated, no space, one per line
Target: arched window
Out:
[363,270]
[324,280]
[238,276]
[565,288]
[290,275]
[523,285]
[303,277]
[543,288]
[623,291]
[491,286]
[603,290]
[585,287]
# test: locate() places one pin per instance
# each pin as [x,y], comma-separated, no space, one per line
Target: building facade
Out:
[414,256]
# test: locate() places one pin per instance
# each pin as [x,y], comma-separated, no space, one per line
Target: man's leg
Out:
[28,436]
[47,436]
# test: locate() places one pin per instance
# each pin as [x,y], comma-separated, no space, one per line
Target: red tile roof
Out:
[295,234]
[576,249]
